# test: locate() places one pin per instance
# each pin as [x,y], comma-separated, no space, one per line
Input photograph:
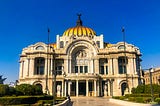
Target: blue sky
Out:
[25,22]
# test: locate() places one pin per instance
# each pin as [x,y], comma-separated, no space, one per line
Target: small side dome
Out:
[79,30]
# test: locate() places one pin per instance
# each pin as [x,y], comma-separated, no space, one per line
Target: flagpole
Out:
[47,91]
[125,57]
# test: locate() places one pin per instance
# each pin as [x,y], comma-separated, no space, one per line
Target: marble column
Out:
[115,65]
[31,67]
[62,93]
[86,87]
[96,66]
[21,68]
[95,89]
[69,88]
[66,66]
[28,67]
[98,88]
[77,88]
[109,88]
[65,88]
[51,71]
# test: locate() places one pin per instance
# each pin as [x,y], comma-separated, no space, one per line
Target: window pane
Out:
[61,44]
[81,69]
[102,70]
[120,70]
[106,69]
[76,69]
[41,70]
[86,69]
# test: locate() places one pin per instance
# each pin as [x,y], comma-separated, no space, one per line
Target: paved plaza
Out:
[92,101]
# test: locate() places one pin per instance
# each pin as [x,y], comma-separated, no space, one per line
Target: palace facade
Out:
[83,63]
[154,73]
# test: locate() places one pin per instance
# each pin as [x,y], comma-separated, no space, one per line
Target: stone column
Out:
[134,66]
[115,65]
[25,67]
[87,87]
[51,71]
[21,69]
[77,88]
[46,67]
[69,66]
[109,88]
[91,68]
[62,88]
[31,67]
[98,88]
[129,66]
[95,89]
[65,89]
[66,65]
[69,88]
[28,66]
[96,66]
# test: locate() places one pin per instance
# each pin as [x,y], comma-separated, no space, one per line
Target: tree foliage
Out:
[27,89]
[146,89]
[4,89]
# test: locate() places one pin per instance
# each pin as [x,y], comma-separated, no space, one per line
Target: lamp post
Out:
[54,87]
[150,75]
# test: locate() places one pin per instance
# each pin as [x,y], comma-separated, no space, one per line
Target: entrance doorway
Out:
[82,88]
[123,87]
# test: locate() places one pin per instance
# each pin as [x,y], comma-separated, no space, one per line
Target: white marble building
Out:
[84,64]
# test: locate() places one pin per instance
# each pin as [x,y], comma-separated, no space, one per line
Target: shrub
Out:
[146,89]
[141,95]
[116,97]
[17,100]
[4,89]
[157,100]
[27,89]
[140,99]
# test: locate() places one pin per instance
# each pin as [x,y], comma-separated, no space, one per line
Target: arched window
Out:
[61,44]
[121,47]
[39,66]
[40,48]
[122,65]
[80,62]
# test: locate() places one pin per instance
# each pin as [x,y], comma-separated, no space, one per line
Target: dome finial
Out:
[79,21]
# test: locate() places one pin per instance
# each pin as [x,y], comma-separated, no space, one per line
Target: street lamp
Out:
[54,89]
[150,75]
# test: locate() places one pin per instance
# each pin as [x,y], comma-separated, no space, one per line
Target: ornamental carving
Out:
[81,54]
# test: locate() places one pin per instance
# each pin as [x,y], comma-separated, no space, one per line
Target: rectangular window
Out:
[81,69]
[76,69]
[86,69]
[102,70]
[41,70]
[98,44]
[122,69]
[106,70]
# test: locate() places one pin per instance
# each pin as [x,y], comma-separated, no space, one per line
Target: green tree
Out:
[146,89]
[4,90]
[27,89]
[38,90]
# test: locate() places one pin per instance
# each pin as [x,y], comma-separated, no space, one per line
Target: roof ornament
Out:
[79,21]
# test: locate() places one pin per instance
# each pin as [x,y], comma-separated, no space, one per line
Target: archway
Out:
[123,87]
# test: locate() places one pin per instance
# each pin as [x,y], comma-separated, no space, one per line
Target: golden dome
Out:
[79,30]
